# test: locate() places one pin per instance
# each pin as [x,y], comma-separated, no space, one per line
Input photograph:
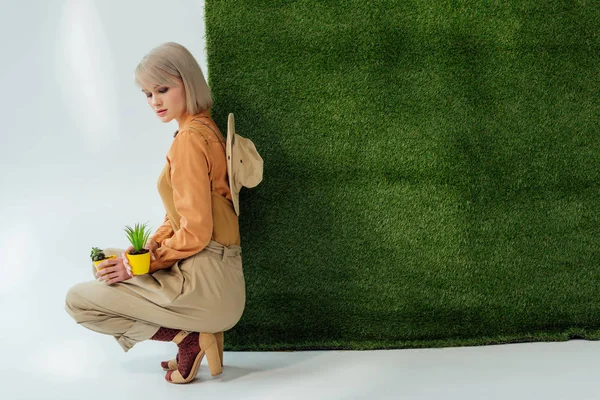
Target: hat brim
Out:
[229,153]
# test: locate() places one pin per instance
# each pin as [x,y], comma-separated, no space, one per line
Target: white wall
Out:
[80,148]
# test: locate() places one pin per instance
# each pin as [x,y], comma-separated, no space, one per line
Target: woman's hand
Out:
[114,270]
[151,245]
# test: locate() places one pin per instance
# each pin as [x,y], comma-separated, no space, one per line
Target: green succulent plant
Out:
[97,254]
[138,236]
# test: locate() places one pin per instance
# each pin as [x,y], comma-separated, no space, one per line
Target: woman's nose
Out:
[155,101]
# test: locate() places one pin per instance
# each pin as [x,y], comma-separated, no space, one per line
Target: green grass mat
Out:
[431,171]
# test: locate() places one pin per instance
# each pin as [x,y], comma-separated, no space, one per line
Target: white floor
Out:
[85,365]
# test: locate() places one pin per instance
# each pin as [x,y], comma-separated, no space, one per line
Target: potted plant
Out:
[138,257]
[97,256]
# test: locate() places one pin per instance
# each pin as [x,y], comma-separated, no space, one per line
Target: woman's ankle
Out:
[187,351]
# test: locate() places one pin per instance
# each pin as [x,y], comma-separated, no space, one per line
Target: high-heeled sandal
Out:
[173,364]
[208,346]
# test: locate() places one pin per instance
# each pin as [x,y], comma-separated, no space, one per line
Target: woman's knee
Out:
[75,299]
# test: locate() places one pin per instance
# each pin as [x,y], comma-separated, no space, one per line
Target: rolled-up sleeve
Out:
[189,165]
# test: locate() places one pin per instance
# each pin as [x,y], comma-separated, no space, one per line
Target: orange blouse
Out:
[198,210]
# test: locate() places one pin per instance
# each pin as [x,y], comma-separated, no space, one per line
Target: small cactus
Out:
[97,254]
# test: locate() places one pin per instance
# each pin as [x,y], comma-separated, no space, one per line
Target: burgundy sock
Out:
[186,355]
[165,334]
[165,364]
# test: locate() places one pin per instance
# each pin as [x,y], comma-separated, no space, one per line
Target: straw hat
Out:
[244,164]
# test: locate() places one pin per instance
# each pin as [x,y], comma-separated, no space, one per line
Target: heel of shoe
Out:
[208,344]
[219,337]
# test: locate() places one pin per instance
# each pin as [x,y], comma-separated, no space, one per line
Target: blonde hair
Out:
[170,61]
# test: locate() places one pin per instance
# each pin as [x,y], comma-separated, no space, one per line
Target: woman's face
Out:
[168,102]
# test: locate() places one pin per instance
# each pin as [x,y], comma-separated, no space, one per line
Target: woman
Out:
[195,289]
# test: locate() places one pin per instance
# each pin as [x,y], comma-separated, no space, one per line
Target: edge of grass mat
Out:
[569,334]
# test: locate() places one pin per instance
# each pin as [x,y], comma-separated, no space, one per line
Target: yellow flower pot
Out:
[140,263]
[99,261]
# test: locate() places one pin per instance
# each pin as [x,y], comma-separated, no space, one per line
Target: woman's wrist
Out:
[155,265]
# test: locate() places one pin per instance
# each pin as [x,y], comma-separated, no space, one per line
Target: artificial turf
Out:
[431,169]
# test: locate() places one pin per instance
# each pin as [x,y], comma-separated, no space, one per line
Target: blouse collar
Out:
[190,118]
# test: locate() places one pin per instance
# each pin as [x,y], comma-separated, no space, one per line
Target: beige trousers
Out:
[202,293]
